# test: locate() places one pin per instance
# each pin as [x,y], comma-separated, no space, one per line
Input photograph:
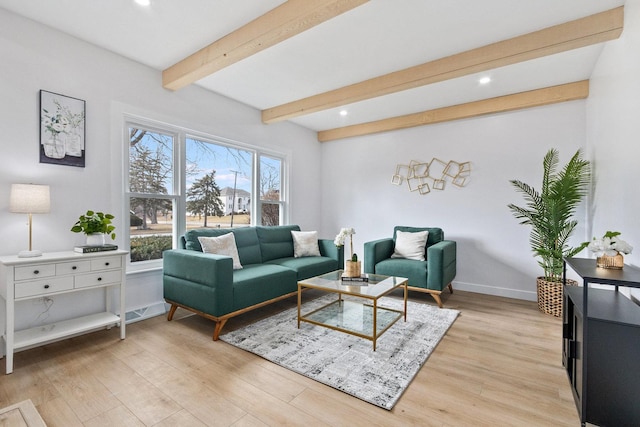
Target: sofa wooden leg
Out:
[172,311]
[219,326]
[450,287]
[437,298]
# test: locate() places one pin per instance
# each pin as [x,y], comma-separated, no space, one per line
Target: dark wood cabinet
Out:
[601,345]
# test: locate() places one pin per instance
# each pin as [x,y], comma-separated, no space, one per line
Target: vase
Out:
[73,146]
[615,262]
[54,148]
[96,239]
[352,268]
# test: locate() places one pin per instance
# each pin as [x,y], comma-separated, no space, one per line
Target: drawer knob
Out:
[46,286]
[74,267]
[36,271]
[106,263]
[99,279]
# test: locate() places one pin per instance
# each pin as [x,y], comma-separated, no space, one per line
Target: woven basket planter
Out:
[550,296]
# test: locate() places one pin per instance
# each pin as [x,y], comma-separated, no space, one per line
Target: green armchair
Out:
[432,275]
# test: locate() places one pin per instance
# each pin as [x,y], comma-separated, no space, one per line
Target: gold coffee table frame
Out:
[353,317]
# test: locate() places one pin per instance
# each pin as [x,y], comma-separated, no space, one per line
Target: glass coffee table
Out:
[359,316]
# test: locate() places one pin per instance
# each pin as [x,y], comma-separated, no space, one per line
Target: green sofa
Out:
[432,275]
[207,284]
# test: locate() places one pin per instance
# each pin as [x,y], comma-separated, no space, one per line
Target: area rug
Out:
[346,362]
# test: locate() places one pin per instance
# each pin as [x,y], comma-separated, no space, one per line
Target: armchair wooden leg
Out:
[450,287]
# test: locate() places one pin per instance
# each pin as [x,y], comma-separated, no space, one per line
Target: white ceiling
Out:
[376,38]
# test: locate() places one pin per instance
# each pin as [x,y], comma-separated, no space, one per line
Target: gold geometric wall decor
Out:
[433,175]
[402,172]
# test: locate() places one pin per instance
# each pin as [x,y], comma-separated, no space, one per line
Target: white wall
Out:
[613,135]
[493,249]
[35,57]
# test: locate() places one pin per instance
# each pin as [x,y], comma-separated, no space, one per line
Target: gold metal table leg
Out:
[299,302]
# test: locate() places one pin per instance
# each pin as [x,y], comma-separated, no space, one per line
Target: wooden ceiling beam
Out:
[285,21]
[582,32]
[533,98]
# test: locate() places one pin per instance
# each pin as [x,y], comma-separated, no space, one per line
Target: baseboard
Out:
[142,313]
[496,291]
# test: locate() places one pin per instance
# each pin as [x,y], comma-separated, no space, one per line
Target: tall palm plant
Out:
[550,212]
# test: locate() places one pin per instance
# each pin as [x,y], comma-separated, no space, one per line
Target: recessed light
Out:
[485,80]
[143,2]
[343,112]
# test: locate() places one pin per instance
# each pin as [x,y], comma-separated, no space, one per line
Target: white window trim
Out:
[181,133]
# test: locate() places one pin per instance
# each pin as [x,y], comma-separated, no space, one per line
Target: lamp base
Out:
[29,254]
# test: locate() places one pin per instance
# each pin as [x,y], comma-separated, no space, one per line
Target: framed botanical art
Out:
[62,129]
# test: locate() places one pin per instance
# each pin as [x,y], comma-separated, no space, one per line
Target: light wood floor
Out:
[499,365]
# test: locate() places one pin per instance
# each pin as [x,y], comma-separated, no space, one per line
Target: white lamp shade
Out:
[29,198]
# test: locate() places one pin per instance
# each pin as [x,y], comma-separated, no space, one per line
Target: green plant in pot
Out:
[95,223]
[550,213]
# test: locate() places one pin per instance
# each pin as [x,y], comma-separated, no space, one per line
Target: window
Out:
[151,192]
[178,180]
[219,178]
[271,203]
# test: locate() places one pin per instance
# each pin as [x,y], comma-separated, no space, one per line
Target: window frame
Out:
[178,198]
[284,214]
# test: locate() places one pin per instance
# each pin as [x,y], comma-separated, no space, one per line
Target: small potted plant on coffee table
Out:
[352,267]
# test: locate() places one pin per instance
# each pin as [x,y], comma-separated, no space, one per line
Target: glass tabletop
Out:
[377,284]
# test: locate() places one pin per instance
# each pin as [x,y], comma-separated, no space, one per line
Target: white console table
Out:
[58,273]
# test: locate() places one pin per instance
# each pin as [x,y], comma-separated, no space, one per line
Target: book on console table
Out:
[361,279]
[97,248]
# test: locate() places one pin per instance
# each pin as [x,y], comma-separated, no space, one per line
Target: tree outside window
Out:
[212,186]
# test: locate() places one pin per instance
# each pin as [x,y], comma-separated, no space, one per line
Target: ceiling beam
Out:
[582,32]
[533,98]
[285,21]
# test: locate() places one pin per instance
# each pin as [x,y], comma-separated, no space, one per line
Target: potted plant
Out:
[96,225]
[352,267]
[550,213]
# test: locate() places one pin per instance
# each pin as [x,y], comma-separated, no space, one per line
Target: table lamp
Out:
[29,199]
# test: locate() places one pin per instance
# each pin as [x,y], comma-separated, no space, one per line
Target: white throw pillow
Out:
[222,245]
[305,243]
[410,245]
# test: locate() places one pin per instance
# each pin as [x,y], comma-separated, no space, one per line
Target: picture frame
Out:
[62,129]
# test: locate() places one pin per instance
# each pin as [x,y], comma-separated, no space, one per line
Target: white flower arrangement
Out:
[610,244]
[63,121]
[342,236]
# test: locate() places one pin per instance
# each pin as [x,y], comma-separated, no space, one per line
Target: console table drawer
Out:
[106,263]
[43,287]
[73,267]
[35,271]
[98,279]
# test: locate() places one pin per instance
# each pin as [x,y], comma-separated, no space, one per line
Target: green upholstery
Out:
[276,242]
[257,283]
[191,278]
[246,241]
[432,275]
[208,284]
[307,266]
